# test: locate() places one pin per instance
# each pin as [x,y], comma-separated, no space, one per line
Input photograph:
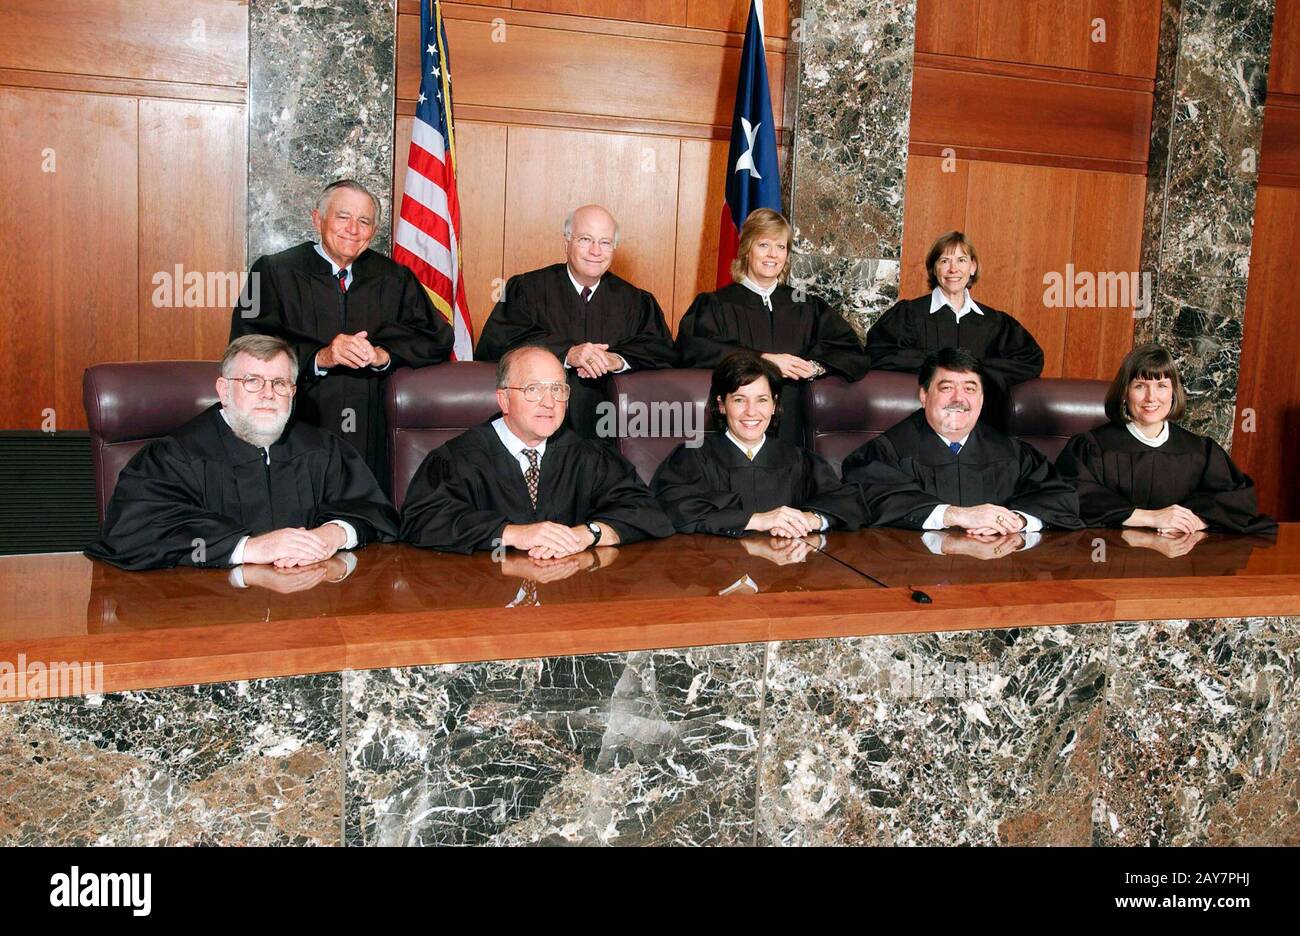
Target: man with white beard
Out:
[941,467]
[241,484]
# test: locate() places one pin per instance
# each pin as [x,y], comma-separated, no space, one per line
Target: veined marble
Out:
[321,94]
[611,749]
[242,763]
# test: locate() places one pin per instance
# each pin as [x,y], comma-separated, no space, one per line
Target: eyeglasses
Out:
[605,243]
[254,384]
[533,391]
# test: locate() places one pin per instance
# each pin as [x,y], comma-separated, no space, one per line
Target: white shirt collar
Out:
[515,445]
[334,267]
[961,441]
[578,287]
[744,448]
[938,300]
[766,294]
[1158,441]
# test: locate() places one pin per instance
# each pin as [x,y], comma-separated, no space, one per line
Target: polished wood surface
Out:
[403,607]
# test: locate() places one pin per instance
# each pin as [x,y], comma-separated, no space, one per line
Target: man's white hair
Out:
[354,186]
[568,222]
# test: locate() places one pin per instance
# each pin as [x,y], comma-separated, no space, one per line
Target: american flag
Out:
[427,235]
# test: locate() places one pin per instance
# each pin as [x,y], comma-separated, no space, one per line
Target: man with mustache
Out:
[941,467]
[240,483]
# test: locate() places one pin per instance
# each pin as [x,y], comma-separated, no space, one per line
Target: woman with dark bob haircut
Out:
[947,317]
[1143,470]
[740,479]
[799,333]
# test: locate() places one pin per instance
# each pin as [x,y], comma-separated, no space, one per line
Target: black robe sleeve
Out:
[1080,464]
[892,495]
[707,333]
[261,311]
[693,494]
[449,510]
[1013,355]
[352,494]
[416,335]
[622,501]
[826,494]
[157,518]
[649,346]
[835,344]
[1225,498]
[515,321]
[1042,492]
[888,347]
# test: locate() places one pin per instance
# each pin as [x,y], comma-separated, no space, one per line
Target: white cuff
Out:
[237,557]
[1031,540]
[237,577]
[933,541]
[1032,523]
[935,520]
[351,541]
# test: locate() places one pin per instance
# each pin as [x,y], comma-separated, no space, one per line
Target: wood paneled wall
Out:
[125,155]
[1032,138]
[1264,442]
[564,102]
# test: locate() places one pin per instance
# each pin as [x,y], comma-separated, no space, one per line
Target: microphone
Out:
[918,596]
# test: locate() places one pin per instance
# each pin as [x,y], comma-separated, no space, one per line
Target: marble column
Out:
[853,108]
[1209,112]
[321,97]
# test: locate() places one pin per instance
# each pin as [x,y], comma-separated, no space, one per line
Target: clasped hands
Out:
[1175,520]
[793,367]
[549,540]
[591,359]
[984,520]
[295,546]
[785,521]
[353,351]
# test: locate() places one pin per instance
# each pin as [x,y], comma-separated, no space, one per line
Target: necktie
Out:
[586,293]
[955,446]
[750,453]
[343,280]
[534,473]
[529,598]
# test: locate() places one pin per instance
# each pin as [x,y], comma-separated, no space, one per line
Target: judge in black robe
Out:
[740,472]
[910,471]
[466,494]
[203,484]
[295,295]
[947,317]
[804,336]
[575,306]
[1125,477]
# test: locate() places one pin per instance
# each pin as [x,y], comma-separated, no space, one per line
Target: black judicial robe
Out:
[1115,473]
[542,307]
[715,488]
[297,299]
[202,482]
[464,493]
[908,471]
[734,318]
[902,337]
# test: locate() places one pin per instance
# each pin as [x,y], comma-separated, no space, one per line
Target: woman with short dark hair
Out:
[799,333]
[741,479]
[1143,470]
[947,317]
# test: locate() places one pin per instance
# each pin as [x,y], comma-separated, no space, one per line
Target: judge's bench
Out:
[1096,688]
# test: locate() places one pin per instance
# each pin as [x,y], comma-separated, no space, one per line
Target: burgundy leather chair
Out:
[129,405]
[1047,412]
[840,416]
[679,389]
[428,407]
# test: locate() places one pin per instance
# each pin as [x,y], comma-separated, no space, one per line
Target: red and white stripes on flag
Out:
[426,236]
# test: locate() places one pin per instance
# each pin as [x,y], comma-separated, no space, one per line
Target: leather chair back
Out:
[129,405]
[428,407]
[840,416]
[665,403]
[1046,413]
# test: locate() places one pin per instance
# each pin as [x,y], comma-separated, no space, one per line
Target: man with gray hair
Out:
[242,483]
[595,322]
[351,316]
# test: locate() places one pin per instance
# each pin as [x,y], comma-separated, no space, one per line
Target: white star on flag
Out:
[432,50]
[746,160]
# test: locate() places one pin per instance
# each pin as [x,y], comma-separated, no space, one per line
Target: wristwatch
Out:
[595,531]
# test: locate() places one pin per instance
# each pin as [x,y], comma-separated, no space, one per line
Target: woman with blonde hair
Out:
[798,333]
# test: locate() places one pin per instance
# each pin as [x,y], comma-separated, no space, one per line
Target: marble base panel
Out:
[320,99]
[652,748]
[937,739]
[1202,743]
[860,289]
[246,763]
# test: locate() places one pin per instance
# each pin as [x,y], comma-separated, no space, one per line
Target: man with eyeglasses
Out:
[524,481]
[595,322]
[242,484]
[351,316]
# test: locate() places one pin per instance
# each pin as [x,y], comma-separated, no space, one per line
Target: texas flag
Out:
[753,176]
